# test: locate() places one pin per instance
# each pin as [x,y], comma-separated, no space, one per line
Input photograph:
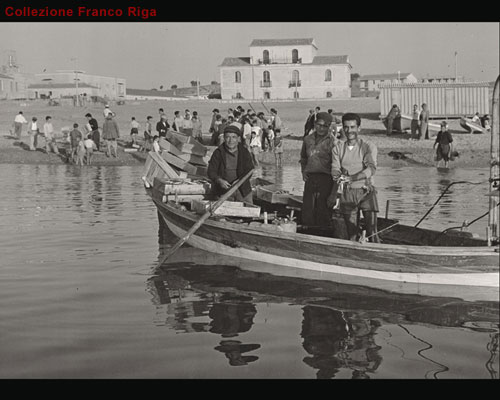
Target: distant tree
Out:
[154,89]
[161,87]
[193,83]
[173,87]
[214,83]
[355,77]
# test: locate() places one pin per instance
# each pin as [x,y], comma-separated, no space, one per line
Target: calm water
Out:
[79,298]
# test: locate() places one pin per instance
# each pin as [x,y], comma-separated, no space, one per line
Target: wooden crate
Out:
[180,187]
[272,194]
[228,208]
[178,163]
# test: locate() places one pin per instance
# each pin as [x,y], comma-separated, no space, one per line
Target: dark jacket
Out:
[161,128]
[217,165]
[93,124]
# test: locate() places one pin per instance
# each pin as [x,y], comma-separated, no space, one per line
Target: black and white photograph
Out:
[247,200]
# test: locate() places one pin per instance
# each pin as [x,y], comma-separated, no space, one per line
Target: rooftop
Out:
[377,77]
[282,42]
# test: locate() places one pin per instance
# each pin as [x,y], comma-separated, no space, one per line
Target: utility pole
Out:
[253,80]
[197,87]
[76,72]
[456,66]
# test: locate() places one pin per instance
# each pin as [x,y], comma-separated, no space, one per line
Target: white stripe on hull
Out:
[485,279]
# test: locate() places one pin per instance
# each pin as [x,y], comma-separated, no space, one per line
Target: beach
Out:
[394,151]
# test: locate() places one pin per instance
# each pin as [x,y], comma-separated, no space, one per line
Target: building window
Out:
[238,95]
[328,94]
[295,82]
[328,75]
[267,95]
[295,56]
[265,56]
[237,77]
[295,95]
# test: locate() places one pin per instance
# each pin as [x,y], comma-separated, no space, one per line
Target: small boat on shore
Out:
[471,126]
[403,124]
[409,259]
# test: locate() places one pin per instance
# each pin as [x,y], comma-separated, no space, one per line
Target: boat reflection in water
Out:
[342,325]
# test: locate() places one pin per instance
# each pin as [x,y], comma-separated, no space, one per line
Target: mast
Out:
[493,228]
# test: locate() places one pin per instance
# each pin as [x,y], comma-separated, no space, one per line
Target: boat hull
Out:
[467,272]
[470,126]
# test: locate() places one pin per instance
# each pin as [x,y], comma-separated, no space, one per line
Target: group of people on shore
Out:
[82,145]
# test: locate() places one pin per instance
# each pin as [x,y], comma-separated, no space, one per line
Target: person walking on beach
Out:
[75,137]
[354,163]
[19,120]
[110,133]
[424,122]
[50,139]
[94,130]
[33,132]
[134,131]
[415,116]
[444,145]
[316,163]
[393,114]
[148,134]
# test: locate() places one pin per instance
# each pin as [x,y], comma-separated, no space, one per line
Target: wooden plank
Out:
[183,198]
[187,144]
[167,169]
[201,171]
[228,208]
[165,145]
[178,162]
[194,159]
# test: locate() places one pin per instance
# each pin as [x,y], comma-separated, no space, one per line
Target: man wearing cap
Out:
[229,162]
[316,164]
[354,163]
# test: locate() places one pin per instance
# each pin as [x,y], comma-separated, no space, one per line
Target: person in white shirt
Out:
[107,110]
[255,146]
[187,124]
[33,133]
[19,120]
[50,140]
[90,147]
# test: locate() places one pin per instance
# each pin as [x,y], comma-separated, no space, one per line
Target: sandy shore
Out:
[395,151]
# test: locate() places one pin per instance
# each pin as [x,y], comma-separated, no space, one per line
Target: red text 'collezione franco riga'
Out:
[83,12]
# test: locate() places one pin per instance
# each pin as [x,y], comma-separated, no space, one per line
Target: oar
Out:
[205,216]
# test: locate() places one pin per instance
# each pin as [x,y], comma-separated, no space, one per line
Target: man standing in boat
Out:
[354,163]
[316,163]
[230,162]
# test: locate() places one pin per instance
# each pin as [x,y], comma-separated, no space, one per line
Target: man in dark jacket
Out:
[162,126]
[229,162]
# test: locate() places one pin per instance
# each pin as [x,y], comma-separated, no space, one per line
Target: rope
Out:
[441,196]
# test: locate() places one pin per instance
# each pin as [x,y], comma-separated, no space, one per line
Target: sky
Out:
[153,54]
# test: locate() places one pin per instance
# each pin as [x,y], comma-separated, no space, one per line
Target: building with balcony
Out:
[285,69]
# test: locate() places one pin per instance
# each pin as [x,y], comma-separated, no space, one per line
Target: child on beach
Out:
[270,137]
[197,134]
[80,153]
[148,135]
[90,147]
[255,147]
[75,137]
[278,149]
[134,131]
[444,145]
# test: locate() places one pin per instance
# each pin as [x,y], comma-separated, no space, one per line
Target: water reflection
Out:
[340,327]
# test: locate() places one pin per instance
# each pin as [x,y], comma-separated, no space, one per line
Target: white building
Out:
[285,69]
[373,82]
[67,84]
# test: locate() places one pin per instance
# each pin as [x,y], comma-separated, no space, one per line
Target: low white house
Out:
[285,69]
[373,82]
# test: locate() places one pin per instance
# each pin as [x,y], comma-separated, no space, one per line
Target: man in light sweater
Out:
[354,163]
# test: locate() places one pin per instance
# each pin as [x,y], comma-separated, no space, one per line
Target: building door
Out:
[267,95]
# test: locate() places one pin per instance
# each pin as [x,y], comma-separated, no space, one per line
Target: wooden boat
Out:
[409,259]
[471,127]
[403,124]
